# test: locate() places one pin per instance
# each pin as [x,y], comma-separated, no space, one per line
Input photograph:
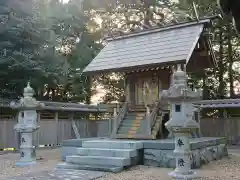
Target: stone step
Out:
[99,160]
[133,118]
[135,123]
[135,114]
[138,110]
[131,121]
[114,169]
[136,136]
[113,144]
[130,124]
[132,130]
[123,125]
[107,152]
[133,126]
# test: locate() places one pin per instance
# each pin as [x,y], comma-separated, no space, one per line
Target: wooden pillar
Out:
[115,118]
[173,69]
[131,90]
[118,108]
[110,125]
[127,89]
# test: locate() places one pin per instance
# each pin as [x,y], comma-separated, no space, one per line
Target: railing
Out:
[118,118]
[152,116]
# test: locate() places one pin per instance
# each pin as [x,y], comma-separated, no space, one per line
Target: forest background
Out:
[50,42]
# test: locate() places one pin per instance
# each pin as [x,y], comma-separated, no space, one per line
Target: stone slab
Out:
[68,151]
[69,147]
[60,174]
[113,144]
[23,163]
[66,166]
[107,152]
[196,143]
[159,158]
[77,142]
[99,160]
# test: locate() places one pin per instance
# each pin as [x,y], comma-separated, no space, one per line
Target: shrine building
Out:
[147,59]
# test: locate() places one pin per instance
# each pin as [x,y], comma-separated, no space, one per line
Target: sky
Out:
[65,1]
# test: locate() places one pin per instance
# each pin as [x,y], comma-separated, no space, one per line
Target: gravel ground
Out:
[8,169]
[227,168]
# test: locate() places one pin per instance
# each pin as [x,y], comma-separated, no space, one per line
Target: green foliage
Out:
[46,42]
[50,43]
[21,41]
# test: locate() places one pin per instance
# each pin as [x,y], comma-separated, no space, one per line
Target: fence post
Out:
[56,121]
[37,133]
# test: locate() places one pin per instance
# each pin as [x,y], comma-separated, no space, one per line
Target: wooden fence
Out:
[54,128]
[222,127]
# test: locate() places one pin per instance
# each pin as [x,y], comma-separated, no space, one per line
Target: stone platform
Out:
[158,153]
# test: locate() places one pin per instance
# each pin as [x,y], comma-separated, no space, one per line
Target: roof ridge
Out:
[159,29]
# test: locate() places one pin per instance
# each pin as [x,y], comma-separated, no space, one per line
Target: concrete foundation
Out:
[159,153]
[69,147]
[94,153]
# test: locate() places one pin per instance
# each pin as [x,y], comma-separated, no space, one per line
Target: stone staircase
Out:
[104,155]
[134,125]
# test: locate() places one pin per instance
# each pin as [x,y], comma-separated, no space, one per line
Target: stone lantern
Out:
[181,123]
[27,124]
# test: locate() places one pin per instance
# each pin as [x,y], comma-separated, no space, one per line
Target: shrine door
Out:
[147,91]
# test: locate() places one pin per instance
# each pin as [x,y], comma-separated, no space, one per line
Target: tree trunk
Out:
[88,89]
[205,94]
[221,67]
[230,59]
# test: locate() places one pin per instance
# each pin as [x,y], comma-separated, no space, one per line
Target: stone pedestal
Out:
[27,124]
[182,154]
[27,150]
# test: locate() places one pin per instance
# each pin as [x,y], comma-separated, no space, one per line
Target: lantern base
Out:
[190,175]
[25,163]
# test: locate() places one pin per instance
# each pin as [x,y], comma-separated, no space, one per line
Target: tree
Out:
[231,8]
[77,44]
[49,45]
[23,37]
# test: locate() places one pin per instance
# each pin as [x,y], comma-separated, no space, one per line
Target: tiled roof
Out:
[157,46]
